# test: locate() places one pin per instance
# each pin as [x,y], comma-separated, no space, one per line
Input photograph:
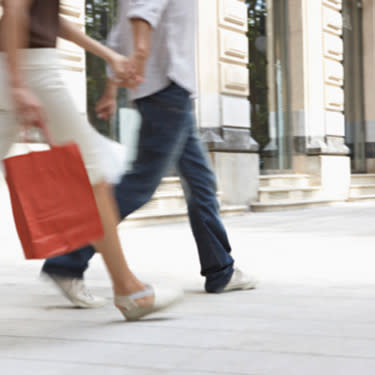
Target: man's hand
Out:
[138,60]
[124,71]
[106,107]
[29,109]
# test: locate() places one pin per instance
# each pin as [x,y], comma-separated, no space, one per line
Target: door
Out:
[269,83]
[353,86]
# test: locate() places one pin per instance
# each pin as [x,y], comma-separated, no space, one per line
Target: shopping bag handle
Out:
[45,131]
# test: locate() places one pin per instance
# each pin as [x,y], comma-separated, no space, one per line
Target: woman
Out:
[33,93]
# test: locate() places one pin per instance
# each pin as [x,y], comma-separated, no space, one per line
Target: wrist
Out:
[112,57]
[141,53]
[110,89]
[17,83]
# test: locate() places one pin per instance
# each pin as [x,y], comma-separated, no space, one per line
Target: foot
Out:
[240,281]
[145,302]
[76,291]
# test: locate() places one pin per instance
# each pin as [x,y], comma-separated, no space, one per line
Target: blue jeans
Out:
[168,138]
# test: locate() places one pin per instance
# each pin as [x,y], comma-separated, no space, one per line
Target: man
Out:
[160,34]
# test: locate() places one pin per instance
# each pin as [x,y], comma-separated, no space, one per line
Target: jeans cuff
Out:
[215,283]
[61,272]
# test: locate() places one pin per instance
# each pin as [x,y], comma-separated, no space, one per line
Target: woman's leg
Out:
[124,281]
[66,124]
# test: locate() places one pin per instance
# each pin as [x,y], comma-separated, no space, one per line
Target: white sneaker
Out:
[76,291]
[240,281]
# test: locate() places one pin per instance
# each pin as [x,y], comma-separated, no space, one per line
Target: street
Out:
[313,312]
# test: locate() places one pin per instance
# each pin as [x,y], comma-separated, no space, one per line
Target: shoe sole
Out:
[248,286]
[140,312]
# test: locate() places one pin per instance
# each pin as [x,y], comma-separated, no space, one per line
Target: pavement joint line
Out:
[245,317]
[160,369]
[249,331]
[197,317]
[226,349]
[299,354]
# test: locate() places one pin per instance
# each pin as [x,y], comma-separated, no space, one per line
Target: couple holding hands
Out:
[158,38]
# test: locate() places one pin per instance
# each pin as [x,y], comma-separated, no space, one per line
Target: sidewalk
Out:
[313,312]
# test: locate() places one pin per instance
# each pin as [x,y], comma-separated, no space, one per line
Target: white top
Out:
[172,53]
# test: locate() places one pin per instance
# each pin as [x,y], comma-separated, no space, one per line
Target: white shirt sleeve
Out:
[148,10]
[115,37]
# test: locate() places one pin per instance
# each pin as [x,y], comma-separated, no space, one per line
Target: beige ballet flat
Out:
[162,299]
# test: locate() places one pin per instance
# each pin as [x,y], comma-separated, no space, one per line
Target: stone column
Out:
[223,105]
[369,80]
[298,80]
[321,117]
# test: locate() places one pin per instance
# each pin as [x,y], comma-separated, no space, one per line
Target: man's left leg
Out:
[214,249]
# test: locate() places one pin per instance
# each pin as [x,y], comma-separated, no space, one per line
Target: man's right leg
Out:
[199,184]
[214,249]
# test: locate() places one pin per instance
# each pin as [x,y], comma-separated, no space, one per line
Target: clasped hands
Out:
[128,71]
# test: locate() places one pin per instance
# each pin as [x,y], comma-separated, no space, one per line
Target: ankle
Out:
[128,288]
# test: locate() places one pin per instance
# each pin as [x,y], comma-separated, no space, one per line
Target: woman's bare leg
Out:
[124,281]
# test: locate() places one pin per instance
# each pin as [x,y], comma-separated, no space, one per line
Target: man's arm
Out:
[150,11]
[145,15]
[120,65]
[141,39]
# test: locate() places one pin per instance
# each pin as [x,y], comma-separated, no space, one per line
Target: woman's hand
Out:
[125,71]
[28,107]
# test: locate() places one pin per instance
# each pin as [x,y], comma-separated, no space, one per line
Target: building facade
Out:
[300,131]
[285,98]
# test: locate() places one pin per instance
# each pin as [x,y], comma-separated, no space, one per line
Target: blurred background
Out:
[284,104]
[284,98]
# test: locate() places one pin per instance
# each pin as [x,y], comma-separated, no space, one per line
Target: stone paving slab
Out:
[313,312]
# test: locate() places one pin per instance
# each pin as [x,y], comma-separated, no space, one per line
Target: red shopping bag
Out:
[52,201]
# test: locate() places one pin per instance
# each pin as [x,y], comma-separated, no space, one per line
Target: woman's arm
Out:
[119,64]
[16,22]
